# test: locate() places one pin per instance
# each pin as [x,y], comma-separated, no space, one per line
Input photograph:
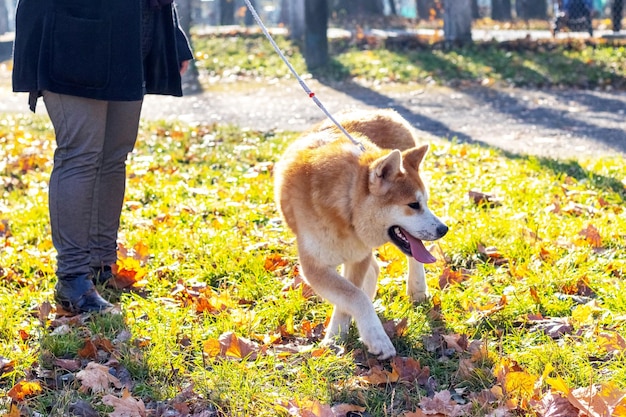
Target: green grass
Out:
[199,200]
[214,258]
[542,63]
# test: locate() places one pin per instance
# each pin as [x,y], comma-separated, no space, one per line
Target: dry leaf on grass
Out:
[24,389]
[229,345]
[127,406]
[443,404]
[479,198]
[96,377]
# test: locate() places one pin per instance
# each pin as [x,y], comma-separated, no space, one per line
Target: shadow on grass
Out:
[573,169]
[376,99]
[522,63]
[517,109]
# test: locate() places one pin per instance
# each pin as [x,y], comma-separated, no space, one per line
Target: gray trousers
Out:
[88,180]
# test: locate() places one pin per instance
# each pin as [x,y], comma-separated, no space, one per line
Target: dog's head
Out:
[397,188]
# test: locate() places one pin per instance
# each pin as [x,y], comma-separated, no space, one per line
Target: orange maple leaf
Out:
[450,277]
[24,389]
[275,261]
[229,345]
[592,236]
[377,375]
[410,370]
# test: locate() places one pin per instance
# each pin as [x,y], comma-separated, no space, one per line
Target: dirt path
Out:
[555,123]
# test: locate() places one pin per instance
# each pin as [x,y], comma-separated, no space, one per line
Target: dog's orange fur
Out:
[342,202]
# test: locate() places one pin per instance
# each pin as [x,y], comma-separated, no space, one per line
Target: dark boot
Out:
[101,274]
[77,294]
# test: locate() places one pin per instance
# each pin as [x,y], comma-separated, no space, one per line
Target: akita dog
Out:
[342,202]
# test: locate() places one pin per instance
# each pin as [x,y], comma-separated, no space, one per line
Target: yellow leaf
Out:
[395,268]
[212,348]
[389,252]
[612,342]
[559,385]
[520,383]
[233,348]
[586,314]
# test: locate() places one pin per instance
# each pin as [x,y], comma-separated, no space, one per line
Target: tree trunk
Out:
[315,34]
[457,21]
[475,10]
[248,20]
[191,82]
[227,12]
[392,8]
[501,10]
[355,7]
[532,9]
[427,9]
[296,19]
[4,17]
[617,9]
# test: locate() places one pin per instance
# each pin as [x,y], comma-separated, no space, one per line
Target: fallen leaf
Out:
[44,312]
[299,283]
[307,408]
[89,350]
[592,236]
[72,365]
[449,277]
[229,345]
[127,406]
[552,405]
[82,408]
[394,328]
[24,389]
[456,342]
[443,404]
[343,409]
[96,377]
[520,384]
[377,375]
[275,261]
[483,199]
[14,411]
[127,272]
[6,366]
[418,413]
[612,342]
[410,370]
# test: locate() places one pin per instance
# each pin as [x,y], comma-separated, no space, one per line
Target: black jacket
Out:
[92,49]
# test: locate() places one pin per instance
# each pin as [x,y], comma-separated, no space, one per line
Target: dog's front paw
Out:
[378,343]
[418,296]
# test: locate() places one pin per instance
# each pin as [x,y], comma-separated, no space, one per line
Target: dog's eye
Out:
[415,206]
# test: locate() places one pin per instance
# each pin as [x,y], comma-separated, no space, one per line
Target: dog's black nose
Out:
[442,229]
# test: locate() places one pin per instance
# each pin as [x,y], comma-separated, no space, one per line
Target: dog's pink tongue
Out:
[419,251]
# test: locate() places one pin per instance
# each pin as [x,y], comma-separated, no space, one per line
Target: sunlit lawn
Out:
[528,296]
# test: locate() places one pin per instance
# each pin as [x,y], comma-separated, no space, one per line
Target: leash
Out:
[304,86]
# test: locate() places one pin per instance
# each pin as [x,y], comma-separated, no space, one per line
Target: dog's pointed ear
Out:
[383,171]
[413,157]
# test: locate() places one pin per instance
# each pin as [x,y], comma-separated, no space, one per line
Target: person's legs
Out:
[122,123]
[79,126]
[86,189]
